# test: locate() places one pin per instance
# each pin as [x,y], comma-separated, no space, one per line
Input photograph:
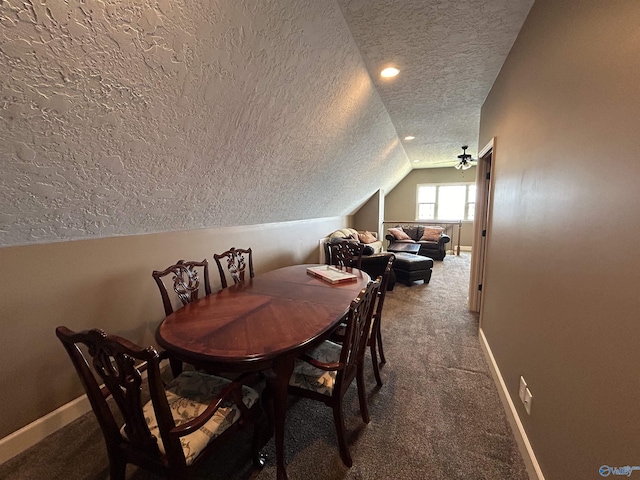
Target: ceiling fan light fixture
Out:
[465,159]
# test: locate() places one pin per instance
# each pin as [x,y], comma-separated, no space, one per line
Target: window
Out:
[446,201]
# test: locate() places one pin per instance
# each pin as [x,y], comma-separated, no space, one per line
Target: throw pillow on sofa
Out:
[367,237]
[431,234]
[399,234]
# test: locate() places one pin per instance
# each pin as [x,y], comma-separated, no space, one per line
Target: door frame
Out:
[484,194]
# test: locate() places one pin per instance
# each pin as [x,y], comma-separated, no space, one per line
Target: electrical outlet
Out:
[528,398]
[523,387]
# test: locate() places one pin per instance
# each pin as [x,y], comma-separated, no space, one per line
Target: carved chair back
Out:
[186,282]
[118,365]
[345,253]
[116,361]
[236,261]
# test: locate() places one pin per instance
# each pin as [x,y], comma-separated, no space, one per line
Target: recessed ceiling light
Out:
[416,161]
[390,72]
[409,137]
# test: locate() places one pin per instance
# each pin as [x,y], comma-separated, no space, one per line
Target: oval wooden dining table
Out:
[261,324]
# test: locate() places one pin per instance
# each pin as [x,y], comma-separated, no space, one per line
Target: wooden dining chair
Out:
[182,423]
[345,253]
[186,282]
[375,336]
[236,260]
[184,278]
[326,372]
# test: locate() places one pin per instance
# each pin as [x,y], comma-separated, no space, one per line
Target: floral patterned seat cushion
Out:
[311,378]
[189,394]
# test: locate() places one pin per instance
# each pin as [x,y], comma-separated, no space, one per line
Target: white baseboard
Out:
[29,435]
[528,455]
[463,248]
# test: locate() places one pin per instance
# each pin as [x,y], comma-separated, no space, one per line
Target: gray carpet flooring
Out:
[438,415]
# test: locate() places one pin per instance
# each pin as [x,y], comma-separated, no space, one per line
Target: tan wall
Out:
[107,283]
[400,203]
[563,266]
[369,216]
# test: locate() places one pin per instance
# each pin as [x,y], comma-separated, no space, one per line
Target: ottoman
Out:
[410,267]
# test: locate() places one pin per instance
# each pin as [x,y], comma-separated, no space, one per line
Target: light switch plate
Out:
[523,386]
[528,398]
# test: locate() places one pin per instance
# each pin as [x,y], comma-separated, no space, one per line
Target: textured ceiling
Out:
[142,116]
[449,54]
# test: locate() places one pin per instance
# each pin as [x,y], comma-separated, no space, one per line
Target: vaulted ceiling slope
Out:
[137,117]
[449,54]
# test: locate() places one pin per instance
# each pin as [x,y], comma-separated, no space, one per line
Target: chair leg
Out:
[177,474]
[176,366]
[374,360]
[362,397]
[267,405]
[338,419]
[259,458]
[379,340]
[117,468]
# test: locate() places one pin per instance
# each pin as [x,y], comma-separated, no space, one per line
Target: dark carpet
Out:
[438,415]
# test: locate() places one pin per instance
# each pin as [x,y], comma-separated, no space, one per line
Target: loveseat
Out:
[374,260]
[432,239]
[370,239]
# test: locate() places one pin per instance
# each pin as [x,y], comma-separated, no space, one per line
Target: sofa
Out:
[374,260]
[370,239]
[431,238]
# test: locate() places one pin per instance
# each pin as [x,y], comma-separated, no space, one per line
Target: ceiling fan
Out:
[465,159]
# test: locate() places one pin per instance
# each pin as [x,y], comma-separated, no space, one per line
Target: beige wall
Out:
[107,283]
[370,215]
[563,266]
[400,203]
